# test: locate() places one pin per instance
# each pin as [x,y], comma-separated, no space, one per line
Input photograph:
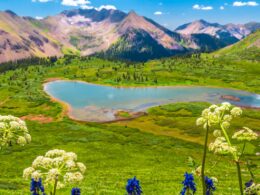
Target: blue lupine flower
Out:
[37,187]
[189,186]
[133,187]
[209,186]
[249,183]
[75,191]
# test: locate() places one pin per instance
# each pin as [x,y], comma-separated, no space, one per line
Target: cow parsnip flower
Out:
[56,166]
[217,133]
[220,146]
[245,134]
[222,114]
[13,130]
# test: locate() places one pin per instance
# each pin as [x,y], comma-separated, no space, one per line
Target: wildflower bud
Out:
[236,111]
[28,172]
[217,133]
[205,112]
[200,121]
[36,175]
[28,137]
[226,105]
[226,125]
[21,141]
[227,118]
[81,167]
[213,107]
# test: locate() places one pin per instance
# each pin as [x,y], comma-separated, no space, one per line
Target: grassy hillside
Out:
[248,48]
[154,147]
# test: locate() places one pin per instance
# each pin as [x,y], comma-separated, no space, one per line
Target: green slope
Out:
[248,48]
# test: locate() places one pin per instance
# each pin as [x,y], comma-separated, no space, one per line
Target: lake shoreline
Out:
[68,108]
[143,86]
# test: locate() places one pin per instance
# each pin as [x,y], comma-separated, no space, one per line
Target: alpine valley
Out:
[110,33]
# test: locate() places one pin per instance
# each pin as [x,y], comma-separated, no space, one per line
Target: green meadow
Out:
[154,147]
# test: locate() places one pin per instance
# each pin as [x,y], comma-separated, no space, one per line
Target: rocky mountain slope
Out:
[19,38]
[229,33]
[110,33]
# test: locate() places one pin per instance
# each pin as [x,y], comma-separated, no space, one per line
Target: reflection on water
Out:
[91,102]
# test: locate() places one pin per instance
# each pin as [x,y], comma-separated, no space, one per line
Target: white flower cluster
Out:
[13,130]
[222,114]
[56,165]
[253,189]
[220,146]
[245,134]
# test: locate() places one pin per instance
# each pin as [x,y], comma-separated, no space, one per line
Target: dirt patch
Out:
[39,118]
[52,79]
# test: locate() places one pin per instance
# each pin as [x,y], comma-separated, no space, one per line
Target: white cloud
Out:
[157,13]
[108,7]
[38,17]
[202,7]
[42,1]
[75,2]
[87,7]
[248,3]
[221,7]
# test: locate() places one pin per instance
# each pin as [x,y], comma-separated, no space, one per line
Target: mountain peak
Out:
[132,13]
[11,13]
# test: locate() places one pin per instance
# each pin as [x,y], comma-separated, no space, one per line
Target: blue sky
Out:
[170,13]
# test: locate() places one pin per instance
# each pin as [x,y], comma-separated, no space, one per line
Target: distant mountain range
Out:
[110,33]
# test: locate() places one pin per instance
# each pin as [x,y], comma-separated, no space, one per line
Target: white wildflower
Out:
[236,111]
[220,146]
[57,161]
[21,141]
[70,164]
[81,167]
[28,137]
[28,172]
[217,133]
[226,105]
[36,175]
[55,153]
[245,134]
[225,125]
[200,121]
[70,156]
[213,107]
[37,162]
[214,179]
[53,174]
[73,177]
[227,118]
[205,112]
[2,125]
[57,166]
[15,130]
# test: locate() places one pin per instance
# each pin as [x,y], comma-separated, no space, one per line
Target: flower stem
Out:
[204,161]
[239,177]
[55,185]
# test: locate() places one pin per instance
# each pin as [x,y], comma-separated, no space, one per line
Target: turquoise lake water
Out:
[90,102]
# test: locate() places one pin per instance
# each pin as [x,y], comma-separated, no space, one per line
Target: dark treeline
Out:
[24,63]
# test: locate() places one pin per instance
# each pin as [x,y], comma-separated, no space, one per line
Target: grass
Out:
[154,148]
